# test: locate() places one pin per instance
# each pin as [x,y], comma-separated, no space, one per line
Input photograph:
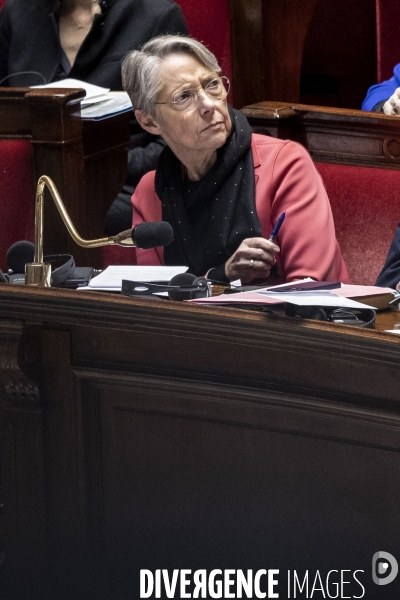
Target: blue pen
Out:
[277,227]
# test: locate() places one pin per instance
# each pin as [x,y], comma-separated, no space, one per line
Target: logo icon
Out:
[384,568]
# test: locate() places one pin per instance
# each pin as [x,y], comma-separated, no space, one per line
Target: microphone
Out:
[152,235]
[145,235]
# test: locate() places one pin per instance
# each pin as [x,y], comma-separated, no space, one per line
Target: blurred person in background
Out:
[42,41]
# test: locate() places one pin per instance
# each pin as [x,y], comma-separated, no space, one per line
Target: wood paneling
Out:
[177,436]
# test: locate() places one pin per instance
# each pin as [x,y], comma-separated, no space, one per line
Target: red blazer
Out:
[286,180]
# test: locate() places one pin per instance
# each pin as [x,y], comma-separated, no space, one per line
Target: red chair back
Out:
[366,209]
[17,199]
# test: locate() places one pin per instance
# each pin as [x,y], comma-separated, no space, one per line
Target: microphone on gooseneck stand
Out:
[144,235]
[152,235]
[38,273]
[64,271]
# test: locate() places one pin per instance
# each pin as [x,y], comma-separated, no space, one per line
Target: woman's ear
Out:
[147,122]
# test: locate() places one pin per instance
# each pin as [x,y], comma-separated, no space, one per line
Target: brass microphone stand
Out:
[38,273]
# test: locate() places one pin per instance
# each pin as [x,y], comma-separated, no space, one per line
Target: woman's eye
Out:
[183,97]
[213,85]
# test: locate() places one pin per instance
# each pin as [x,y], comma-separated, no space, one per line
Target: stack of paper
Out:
[110,280]
[99,102]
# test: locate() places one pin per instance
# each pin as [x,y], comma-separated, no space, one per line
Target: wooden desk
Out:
[141,433]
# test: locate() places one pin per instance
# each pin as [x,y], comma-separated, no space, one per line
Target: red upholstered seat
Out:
[17,194]
[366,208]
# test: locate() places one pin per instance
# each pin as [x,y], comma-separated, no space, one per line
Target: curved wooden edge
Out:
[56,95]
[60,95]
[287,109]
[333,135]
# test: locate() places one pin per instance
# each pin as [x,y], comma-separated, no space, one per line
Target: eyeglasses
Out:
[188,100]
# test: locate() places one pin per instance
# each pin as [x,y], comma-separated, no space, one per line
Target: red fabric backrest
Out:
[209,23]
[17,196]
[366,209]
[387,33]
[1,3]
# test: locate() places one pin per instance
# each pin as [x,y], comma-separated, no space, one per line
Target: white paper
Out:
[90,89]
[315,298]
[109,104]
[283,286]
[93,100]
[111,278]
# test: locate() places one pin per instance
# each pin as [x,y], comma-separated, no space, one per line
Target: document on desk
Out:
[315,298]
[378,297]
[110,280]
[99,102]
[112,103]
[328,297]
[93,92]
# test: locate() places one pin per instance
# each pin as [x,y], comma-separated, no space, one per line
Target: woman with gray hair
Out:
[221,187]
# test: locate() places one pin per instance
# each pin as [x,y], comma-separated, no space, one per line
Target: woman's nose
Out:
[205,102]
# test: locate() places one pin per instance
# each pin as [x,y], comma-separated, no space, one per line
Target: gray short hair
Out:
[141,68]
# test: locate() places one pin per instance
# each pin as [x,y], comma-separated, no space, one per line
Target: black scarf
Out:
[210,217]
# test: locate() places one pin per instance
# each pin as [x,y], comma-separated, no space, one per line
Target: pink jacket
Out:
[286,180]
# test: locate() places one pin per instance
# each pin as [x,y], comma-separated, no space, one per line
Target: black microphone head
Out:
[19,254]
[152,235]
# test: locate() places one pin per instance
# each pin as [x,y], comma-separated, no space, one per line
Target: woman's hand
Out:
[392,106]
[252,260]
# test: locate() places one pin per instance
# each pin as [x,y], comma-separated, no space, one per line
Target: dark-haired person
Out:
[221,187]
[42,41]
